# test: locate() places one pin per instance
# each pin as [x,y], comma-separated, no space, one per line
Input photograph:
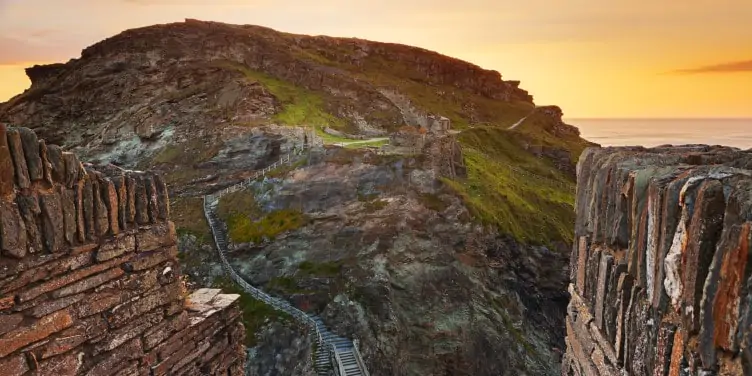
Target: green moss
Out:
[433,202]
[188,215]
[325,269]
[186,154]
[507,187]
[242,203]
[374,206]
[363,145]
[255,312]
[243,230]
[300,106]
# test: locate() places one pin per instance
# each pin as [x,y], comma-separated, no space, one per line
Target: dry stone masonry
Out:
[661,274]
[89,282]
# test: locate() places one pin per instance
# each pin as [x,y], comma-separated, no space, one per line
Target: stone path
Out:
[334,355]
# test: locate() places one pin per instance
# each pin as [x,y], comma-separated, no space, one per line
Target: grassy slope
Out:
[508,187]
[531,200]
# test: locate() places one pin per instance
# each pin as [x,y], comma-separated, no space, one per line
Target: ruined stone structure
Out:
[438,124]
[661,274]
[89,282]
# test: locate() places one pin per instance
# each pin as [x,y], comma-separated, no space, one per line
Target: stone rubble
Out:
[89,280]
[660,272]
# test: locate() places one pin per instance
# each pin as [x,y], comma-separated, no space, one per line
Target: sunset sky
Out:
[594,58]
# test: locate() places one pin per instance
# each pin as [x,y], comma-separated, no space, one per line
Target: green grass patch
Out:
[374,206]
[243,230]
[242,203]
[255,312]
[189,153]
[188,215]
[300,106]
[362,145]
[324,269]
[433,202]
[508,187]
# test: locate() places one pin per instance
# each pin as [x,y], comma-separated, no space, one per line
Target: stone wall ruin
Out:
[89,281]
[661,277]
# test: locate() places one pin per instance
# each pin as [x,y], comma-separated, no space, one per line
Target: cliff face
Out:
[195,75]
[660,272]
[89,282]
[206,104]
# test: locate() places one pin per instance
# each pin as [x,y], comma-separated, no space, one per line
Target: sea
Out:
[654,132]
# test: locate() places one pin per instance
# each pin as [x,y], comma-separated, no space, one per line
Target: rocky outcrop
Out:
[89,281]
[660,271]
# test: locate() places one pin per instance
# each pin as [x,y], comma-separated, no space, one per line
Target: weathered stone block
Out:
[164,330]
[88,283]
[677,355]
[163,199]
[45,307]
[87,201]
[19,160]
[28,207]
[46,166]
[664,348]
[9,322]
[604,271]
[128,351]
[55,157]
[75,336]
[150,259]
[121,314]
[12,230]
[73,170]
[151,195]
[7,170]
[68,199]
[130,206]
[115,247]
[156,236]
[109,194]
[69,278]
[66,364]
[36,331]
[122,199]
[101,215]
[133,329]
[52,222]
[30,145]
[14,365]
[704,231]
[142,200]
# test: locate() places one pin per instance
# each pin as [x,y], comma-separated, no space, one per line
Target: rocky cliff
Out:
[472,234]
[89,283]
[660,272]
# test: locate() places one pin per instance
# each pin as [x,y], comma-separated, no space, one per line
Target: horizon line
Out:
[657,118]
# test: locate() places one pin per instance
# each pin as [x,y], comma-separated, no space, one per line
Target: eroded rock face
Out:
[673,224]
[390,257]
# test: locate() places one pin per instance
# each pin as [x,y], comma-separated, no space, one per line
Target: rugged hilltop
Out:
[436,273]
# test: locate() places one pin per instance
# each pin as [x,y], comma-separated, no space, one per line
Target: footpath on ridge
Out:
[334,353]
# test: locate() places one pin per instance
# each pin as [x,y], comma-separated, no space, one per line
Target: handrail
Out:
[338,360]
[359,358]
[257,293]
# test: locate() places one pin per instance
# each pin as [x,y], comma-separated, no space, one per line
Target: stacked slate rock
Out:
[661,270]
[89,281]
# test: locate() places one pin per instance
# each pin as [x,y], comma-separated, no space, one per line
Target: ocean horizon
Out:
[736,132]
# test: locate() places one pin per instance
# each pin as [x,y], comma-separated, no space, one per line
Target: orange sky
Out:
[623,58]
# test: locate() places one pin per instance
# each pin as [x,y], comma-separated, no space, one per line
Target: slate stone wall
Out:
[661,273]
[89,281]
